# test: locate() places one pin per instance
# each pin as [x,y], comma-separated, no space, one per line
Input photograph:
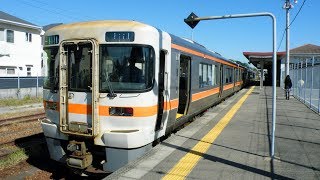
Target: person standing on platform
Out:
[287,86]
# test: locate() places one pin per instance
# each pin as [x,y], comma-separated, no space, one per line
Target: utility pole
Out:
[287,6]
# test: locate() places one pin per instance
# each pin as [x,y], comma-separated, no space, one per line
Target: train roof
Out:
[135,24]
[101,24]
[197,47]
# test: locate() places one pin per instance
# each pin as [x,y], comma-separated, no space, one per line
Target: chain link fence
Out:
[305,76]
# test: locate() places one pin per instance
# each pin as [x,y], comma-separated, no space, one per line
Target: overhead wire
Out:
[63,10]
[297,13]
[50,10]
[281,40]
[291,24]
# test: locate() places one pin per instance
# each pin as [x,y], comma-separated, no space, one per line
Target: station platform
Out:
[232,141]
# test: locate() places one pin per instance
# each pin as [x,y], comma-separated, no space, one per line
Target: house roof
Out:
[306,49]
[7,18]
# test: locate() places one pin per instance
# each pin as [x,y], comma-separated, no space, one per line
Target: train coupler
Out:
[79,158]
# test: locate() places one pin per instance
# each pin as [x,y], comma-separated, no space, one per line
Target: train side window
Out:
[236,75]
[226,75]
[214,71]
[207,75]
[200,75]
[229,75]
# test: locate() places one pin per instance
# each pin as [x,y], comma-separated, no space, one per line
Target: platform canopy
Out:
[263,60]
[255,58]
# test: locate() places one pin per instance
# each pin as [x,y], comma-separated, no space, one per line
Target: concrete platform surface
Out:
[242,149]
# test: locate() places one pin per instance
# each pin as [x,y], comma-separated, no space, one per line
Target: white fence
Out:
[305,76]
[19,87]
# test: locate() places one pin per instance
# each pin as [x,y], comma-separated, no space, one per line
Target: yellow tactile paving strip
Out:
[190,160]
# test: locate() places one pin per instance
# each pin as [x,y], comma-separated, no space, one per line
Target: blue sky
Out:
[228,37]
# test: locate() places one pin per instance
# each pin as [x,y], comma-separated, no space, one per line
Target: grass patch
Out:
[13,159]
[20,102]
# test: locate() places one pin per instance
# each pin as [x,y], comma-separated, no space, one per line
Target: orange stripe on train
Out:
[204,94]
[229,86]
[172,104]
[139,111]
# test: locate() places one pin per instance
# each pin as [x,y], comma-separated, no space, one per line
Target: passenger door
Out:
[160,117]
[221,80]
[184,85]
[78,88]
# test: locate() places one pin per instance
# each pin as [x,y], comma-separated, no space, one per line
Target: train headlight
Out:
[121,111]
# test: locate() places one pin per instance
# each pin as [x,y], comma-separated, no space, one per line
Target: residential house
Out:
[20,47]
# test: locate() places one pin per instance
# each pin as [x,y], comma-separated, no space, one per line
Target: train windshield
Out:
[51,80]
[125,68]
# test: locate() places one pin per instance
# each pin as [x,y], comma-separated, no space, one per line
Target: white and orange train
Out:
[115,87]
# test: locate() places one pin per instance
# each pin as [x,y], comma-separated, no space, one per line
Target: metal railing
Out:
[305,76]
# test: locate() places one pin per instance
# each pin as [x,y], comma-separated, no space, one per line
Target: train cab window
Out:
[51,80]
[126,68]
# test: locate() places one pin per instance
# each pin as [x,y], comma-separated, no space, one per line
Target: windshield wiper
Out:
[111,93]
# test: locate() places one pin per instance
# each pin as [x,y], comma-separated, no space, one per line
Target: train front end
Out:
[101,93]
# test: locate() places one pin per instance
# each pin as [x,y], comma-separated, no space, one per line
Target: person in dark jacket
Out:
[287,86]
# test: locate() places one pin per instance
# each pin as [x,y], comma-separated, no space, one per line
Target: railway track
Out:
[21,119]
[22,132]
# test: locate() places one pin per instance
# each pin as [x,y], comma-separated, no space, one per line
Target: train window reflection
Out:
[126,68]
[51,79]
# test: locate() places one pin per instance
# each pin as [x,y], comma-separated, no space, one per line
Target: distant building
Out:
[20,47]
[301,57]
